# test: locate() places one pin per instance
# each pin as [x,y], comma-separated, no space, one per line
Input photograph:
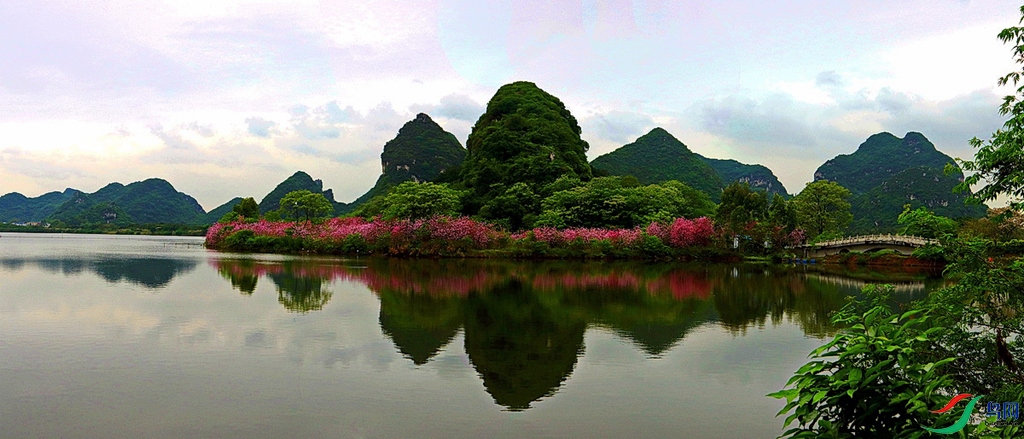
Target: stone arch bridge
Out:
[902,244]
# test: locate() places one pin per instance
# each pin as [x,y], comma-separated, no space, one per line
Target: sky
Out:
[229,98]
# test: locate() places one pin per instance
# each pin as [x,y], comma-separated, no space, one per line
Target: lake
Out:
[128,336]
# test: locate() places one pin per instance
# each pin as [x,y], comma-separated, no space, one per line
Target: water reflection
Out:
[755,296]
[420,325]
[523,344]
[524,322]
[150,272]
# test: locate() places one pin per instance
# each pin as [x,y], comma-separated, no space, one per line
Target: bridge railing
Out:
[874,239]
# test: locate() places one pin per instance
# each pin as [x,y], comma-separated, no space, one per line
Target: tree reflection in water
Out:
[420,325]
[524,322]
[301,285]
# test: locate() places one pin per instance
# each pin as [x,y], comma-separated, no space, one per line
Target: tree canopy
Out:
[822,208]
[305,205]
[411,200]
[740,205]
[244,208]
[614,202]
[924,223]
[998,164]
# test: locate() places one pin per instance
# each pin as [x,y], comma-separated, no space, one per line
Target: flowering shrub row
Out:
[435,236]
[448,236]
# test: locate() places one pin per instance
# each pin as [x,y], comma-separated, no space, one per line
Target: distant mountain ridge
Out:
[658,156]
[15,207]
[887,172]
[880,157]
[149,201]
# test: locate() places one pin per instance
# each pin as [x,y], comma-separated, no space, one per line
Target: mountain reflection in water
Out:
[524,322]
[150,272]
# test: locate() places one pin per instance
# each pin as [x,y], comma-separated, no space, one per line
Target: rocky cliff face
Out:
[757,176]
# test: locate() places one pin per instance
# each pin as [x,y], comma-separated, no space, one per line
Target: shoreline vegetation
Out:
[444,236]
[461,237]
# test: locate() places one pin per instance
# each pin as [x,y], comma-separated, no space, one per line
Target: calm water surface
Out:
[115,336]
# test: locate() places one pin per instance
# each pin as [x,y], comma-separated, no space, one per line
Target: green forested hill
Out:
[757,176]
[84,210]
[658,156]
[297,182]
[887,172]
[148,201]
[880,157]
[15,207]
[420,152]
[526,137]
[877,209]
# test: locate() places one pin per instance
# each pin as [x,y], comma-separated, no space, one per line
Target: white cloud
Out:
[950,64]
[228,98]
[621,127]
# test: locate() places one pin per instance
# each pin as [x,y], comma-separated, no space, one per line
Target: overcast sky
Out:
[228,98]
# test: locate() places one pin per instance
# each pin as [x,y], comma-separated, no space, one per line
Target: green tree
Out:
[615,202]
[305,205]
[247,208]
[924,223]
[878,377]
[999,162]
[411,200]
[741,206]
[273,215]
[694,203]
[515,209]
[822,208]
[781,214]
